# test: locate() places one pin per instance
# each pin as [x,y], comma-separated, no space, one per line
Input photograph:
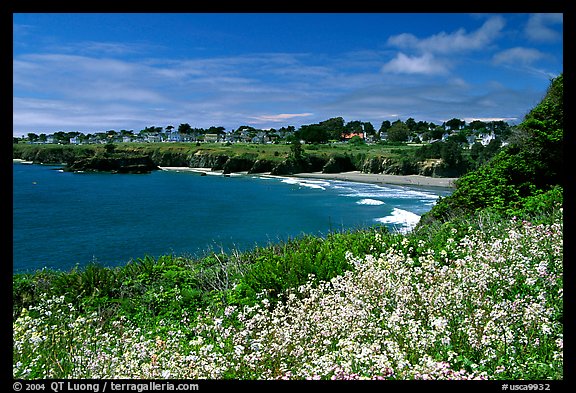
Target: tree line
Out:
[330,130]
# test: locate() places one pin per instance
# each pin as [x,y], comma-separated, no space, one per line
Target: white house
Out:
[487,138]
[174,136]
[211,138]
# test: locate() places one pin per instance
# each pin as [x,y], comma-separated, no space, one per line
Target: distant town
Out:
[329,131]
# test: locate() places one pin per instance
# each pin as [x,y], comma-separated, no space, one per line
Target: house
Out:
[485,139]
[261,137]
[347,137]
[174,136]
[153,138]
[211,138]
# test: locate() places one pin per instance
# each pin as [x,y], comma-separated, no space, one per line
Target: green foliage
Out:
[398,132]
[109,147]
[541,204]
[275,269]
[313,133]
[150,289]
[431,150]
[530,166]
[439,294]
[296,150]
[452,158]
[545,122]
[357,141]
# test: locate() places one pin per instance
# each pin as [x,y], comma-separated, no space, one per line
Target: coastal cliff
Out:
[143,159]
[121,164]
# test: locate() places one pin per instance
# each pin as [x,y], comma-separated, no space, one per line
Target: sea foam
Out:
[318,184]
[405,220]
[373,202]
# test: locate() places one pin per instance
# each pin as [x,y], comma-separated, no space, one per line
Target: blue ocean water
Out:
[63,219]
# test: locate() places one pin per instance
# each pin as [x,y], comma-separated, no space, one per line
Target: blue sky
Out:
[95,72]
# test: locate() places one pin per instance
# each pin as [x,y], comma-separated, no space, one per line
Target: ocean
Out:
[63,219]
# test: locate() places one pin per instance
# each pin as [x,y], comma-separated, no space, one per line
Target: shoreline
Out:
[353,176]
[380,179]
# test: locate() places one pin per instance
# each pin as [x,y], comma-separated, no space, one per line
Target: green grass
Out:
[271,152]
[123,321]
[145,288]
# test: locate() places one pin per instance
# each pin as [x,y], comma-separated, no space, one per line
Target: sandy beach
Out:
[374,178]
[354,176]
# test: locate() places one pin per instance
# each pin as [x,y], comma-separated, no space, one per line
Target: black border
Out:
[182,6]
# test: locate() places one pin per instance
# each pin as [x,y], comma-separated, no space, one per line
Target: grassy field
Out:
[272,152]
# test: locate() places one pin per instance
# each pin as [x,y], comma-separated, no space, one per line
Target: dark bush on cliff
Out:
[531,165]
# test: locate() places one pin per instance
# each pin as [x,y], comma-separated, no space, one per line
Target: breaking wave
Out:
[403,220]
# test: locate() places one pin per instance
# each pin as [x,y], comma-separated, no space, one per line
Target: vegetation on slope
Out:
[528,172]
[475,292]
[442,159]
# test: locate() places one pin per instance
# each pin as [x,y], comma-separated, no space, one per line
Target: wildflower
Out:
[238,349]
[386,318]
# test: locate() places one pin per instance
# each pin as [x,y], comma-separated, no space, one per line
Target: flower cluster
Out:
[492,309]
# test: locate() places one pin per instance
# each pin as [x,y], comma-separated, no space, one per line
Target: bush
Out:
[531,165]
[277,268]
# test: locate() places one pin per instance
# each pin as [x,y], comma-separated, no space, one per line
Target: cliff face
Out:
[389,166]
[122,164]
[146,160]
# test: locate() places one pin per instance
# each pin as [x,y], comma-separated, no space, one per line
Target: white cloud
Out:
[538,28]
[518,55]
[425,64]
[457,41]
[87,78]
[90,92]
[433,99]
[280,117]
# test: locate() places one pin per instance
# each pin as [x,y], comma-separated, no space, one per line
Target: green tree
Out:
[477,125]
[313,133]
[369,129]
[437,132]
[296,149]
[110,147]
[334,128]
[455,124]
[384,127]
[398,132]
[356,141]
[491,149]
[451,154]
[185,128]
[529,166]
[352,127]
[422,126]
[411,124]
[499,127]
[541,134]
[476,152]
